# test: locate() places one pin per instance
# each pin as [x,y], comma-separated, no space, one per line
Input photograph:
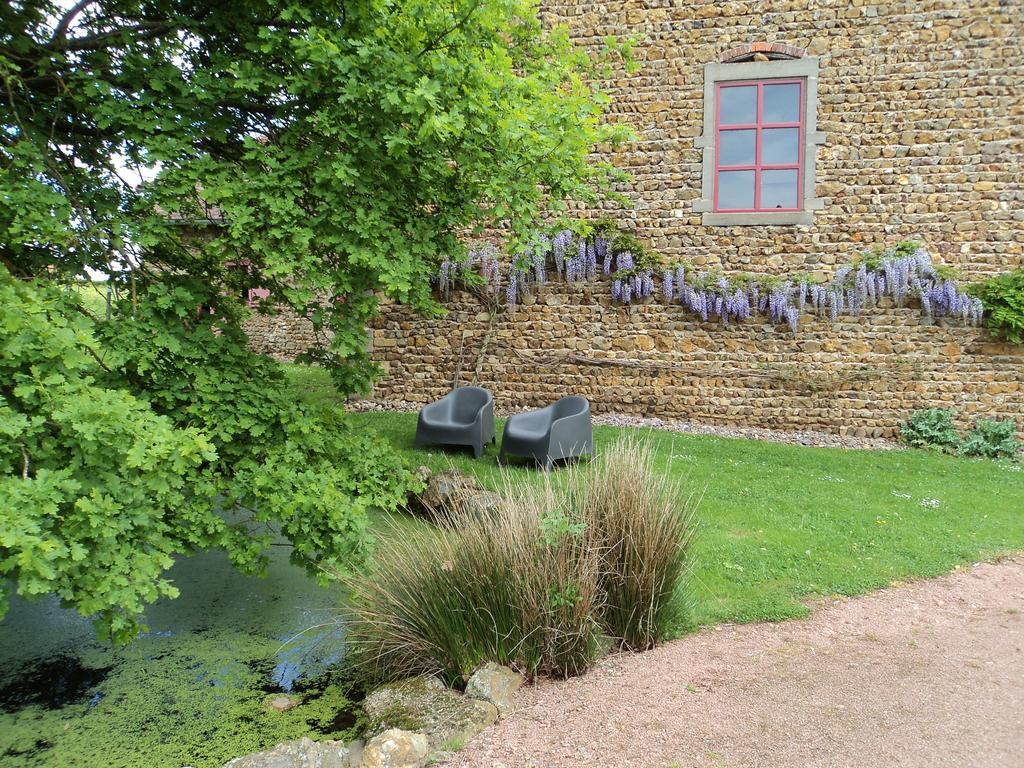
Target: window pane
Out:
[738,105]
[781,103]
[735,190]
[736,147]
[780,146]
[779,189]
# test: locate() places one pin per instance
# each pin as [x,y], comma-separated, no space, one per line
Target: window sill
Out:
[781,219]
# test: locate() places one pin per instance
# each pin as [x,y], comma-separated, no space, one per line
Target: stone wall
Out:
[922,107]
[861,375]
[282,336]
[921,103]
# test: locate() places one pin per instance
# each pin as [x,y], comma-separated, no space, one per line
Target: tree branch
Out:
[61,30]
[461,22]
[149,30]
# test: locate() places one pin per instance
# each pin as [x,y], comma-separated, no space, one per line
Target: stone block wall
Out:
[861,375]
[922,107]
[921,103]
[283,336]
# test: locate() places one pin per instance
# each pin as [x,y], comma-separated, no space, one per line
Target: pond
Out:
[189,692]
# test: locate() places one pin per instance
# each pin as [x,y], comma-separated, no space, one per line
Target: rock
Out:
[425,705]
[396,748]
[451,492]
[496,684]
[303,753]
[281,703]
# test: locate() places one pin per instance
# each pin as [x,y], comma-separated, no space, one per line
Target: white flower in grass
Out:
[931,503]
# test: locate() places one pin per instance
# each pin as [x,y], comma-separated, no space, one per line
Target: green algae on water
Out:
[192,691]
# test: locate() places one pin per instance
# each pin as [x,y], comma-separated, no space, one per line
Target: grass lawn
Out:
[93,295]
[780,524]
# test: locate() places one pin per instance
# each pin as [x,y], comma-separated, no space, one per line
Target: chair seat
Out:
[559,431]
[528,425]
[444,420]
[465,416]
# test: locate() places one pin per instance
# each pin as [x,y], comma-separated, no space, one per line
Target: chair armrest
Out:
[485,420]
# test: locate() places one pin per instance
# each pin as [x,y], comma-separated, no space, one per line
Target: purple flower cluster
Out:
[630,283]
[583,266]
[637,286]
[483,258]
[667,278]
[897,275]
[602,251]
[512,292]
[560,245]
[896,278]
[490,267]
[714,298]
[943,299]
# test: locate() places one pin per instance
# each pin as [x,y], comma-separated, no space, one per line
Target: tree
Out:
[337,153]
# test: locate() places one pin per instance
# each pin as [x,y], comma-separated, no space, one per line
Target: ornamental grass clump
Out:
[541,584]
[489,588]
[640,519]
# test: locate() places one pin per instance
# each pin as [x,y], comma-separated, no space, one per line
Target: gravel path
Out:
[929,674]
[791,437]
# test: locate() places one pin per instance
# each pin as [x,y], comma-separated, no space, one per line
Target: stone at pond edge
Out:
[425,705]
[395,748]
[448,492]
[302,753]
[281,703]
[496,684]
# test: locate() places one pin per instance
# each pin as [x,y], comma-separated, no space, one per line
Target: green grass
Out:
[781,524]
[93,296]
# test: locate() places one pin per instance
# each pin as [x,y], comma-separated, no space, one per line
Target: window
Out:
[759,143]
[759,155]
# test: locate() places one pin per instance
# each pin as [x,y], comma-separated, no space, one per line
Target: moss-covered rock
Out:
[496,684]
[425,705]
[301,753]
[451,492]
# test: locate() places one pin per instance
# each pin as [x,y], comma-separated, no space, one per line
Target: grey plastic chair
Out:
[465,416]
[560,431]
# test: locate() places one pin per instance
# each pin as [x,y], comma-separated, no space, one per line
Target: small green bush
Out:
[1003,297]
[536,585]
[931,428]
[992,439]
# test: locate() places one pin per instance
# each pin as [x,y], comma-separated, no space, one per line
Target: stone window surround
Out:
[714,73]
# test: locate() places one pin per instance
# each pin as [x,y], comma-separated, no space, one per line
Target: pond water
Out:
[189,692]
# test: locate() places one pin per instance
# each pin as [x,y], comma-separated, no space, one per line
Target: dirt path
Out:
[929,674]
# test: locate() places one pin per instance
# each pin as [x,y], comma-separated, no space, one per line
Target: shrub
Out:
[1003,297]
[477,589]
[931,428]
[992,439]
[535,585]
[124,440]
[640,520]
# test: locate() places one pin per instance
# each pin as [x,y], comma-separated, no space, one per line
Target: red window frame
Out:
[758,126]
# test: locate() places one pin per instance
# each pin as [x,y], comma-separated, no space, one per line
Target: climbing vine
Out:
[895,274]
